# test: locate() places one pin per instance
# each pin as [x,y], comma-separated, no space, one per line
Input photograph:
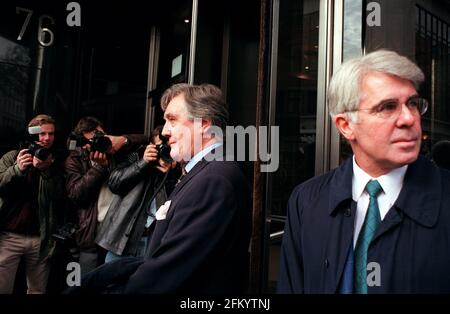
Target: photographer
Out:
[141,186]
[31,194]
[87,170]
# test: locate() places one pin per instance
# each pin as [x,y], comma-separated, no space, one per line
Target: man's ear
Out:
[206,124]
[345,126]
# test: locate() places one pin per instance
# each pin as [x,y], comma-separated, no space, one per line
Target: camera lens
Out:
[164,152]
[38,151]
[101,143]
[42,153]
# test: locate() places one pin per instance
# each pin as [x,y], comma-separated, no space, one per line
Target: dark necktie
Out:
[366,234]
[183,174]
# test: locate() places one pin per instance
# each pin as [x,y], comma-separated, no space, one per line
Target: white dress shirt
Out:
[391,183]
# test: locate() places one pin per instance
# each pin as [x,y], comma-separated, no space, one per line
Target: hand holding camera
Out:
[117,142]
[150,153]
[99,142]
[163,165]
[158,156]
[37,152]
[99,157]
[42,165]
[24,160]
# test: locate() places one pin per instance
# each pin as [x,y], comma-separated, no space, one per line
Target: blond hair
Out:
[41,119]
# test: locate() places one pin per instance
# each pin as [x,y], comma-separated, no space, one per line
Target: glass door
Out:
[169,54]
[293,109]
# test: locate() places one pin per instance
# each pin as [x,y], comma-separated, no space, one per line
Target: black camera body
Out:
[38,151]
[65,234]
[164,152]
[99,142]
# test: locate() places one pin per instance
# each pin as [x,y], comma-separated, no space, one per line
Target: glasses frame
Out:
[377,110]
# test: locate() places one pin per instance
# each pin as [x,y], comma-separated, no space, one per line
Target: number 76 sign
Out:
[45,35]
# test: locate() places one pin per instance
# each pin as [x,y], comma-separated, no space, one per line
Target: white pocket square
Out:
[161,213]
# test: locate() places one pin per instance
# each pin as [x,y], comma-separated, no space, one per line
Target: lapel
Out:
[162,225]
[197,168]
[341,185]
[342,208]
[189,176]
[344,245]
[419,199]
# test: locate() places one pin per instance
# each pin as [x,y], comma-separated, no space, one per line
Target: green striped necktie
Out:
[366,234]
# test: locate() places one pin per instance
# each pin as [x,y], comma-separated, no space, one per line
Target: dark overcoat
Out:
[411,245]
[201,247]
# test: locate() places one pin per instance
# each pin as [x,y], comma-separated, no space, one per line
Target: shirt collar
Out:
[199,156]
[391,182]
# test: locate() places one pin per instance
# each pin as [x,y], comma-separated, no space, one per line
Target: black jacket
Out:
[411,245]
[83,184]
[201,247]
[134,182]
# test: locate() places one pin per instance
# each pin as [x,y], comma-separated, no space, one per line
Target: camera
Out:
[164,149]
[99,142]
[38,151]
[164,152]
[65,234]
[33,147]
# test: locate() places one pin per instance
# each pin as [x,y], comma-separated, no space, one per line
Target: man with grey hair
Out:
[202,108]
[380,222]
[199,243]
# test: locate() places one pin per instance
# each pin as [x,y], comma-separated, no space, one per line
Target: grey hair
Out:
[204,101]
[344,91]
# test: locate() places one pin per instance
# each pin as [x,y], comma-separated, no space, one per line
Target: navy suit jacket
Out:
[202,245]
[411,245]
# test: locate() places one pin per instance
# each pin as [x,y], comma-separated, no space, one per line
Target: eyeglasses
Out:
[390,109]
